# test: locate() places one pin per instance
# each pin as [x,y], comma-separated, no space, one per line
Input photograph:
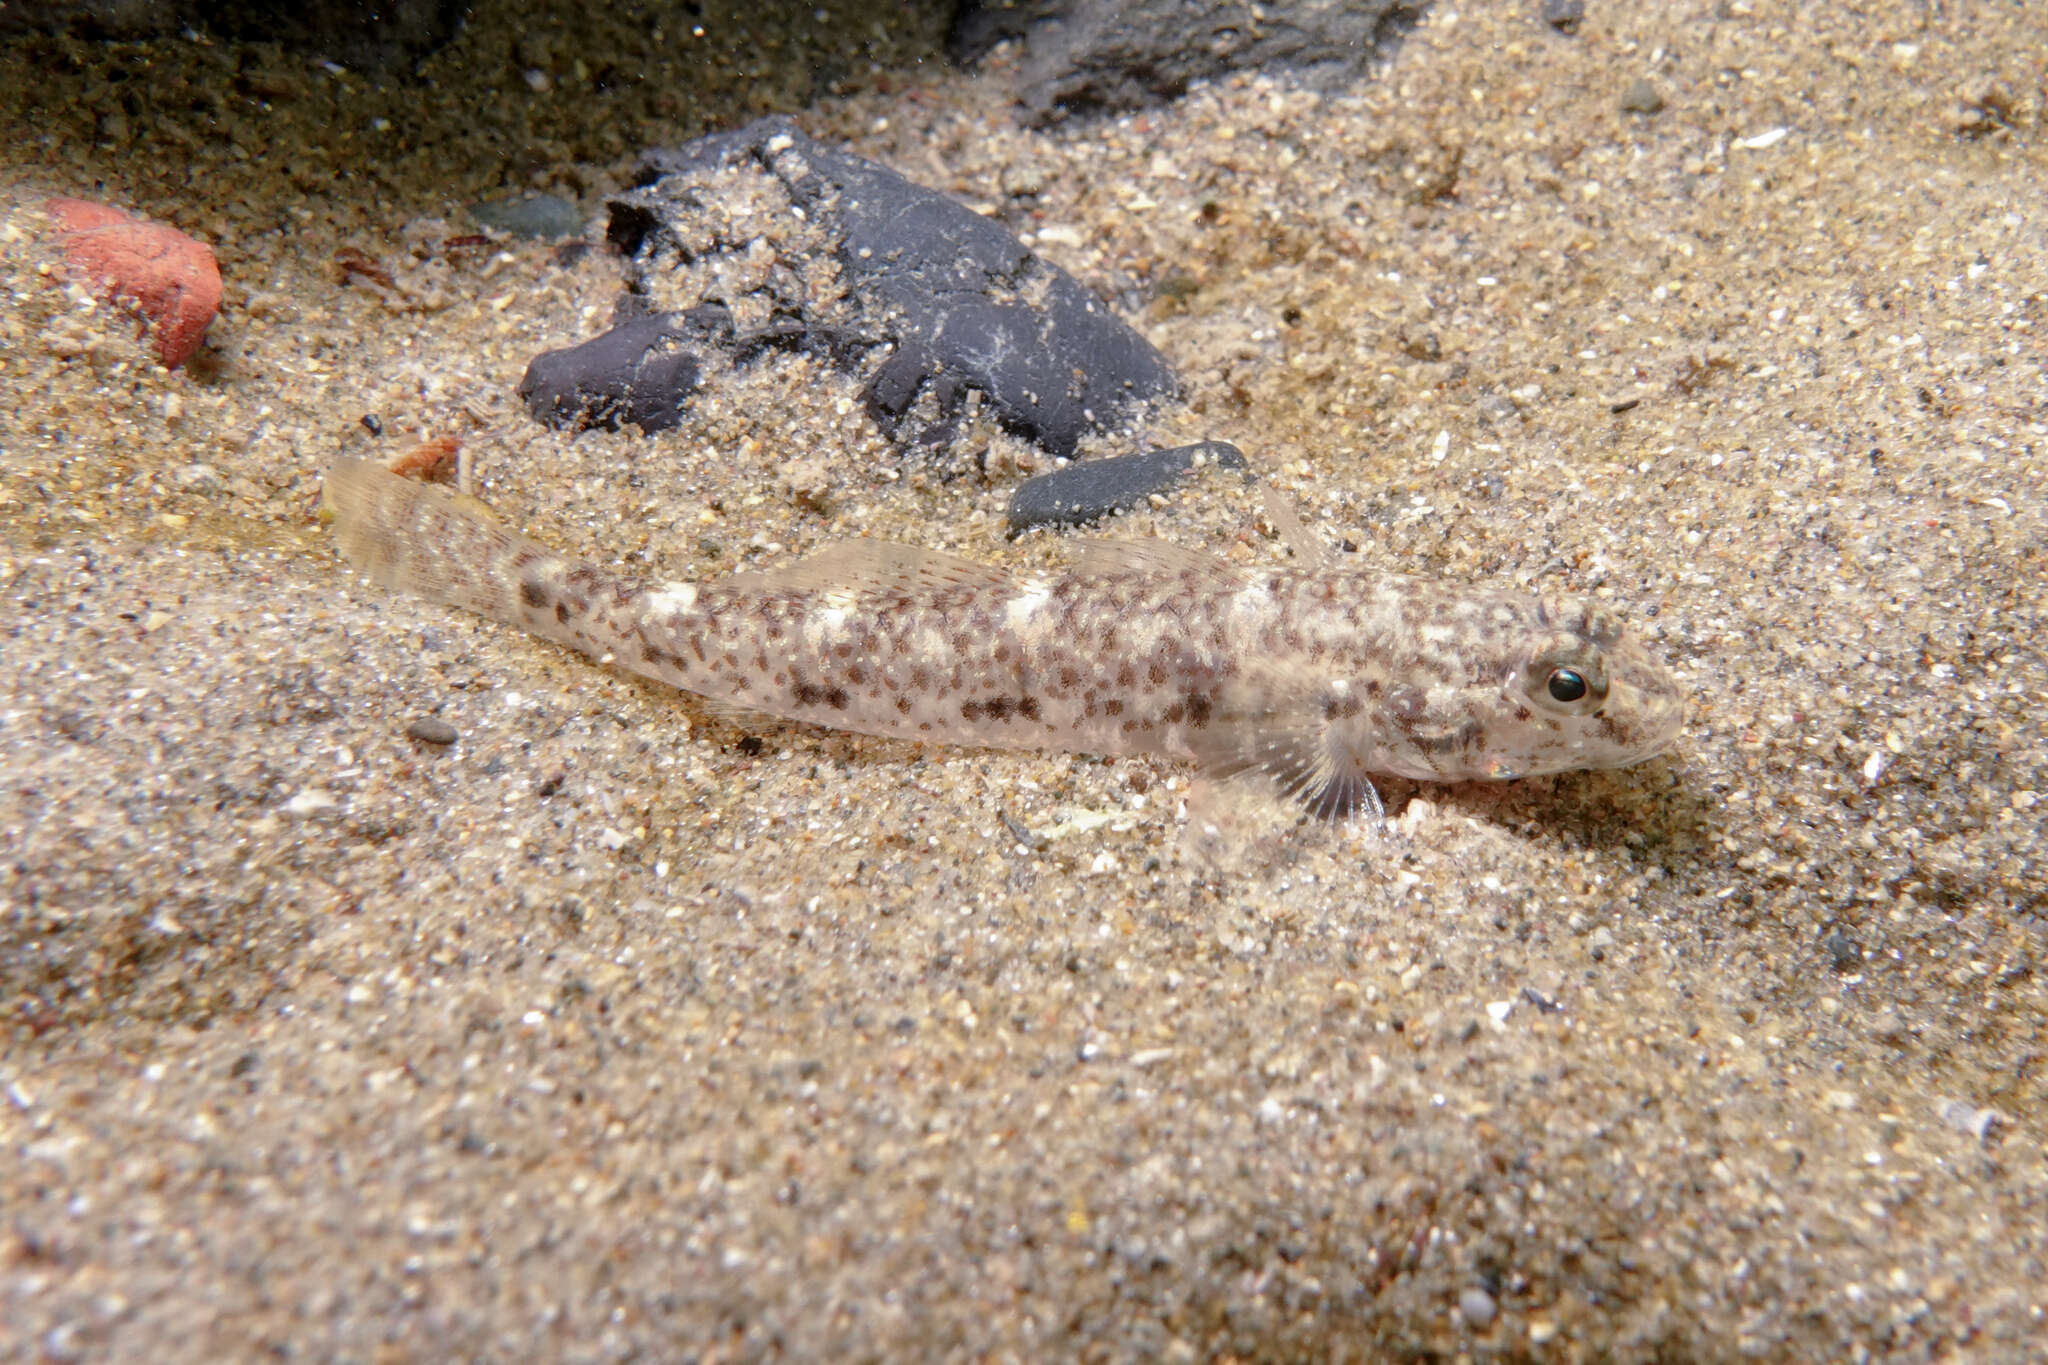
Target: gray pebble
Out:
[1477,1307]
[431,730]
[198,478]
[543,217]
[1967,1118]
[1564,15]
[1641,98]
[1844,953]
[1497,410]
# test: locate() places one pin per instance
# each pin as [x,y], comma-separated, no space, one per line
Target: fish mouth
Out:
[1660,720]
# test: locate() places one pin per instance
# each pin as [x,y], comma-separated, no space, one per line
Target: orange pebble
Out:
[171,279]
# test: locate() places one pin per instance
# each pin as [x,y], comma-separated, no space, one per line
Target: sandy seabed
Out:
[625,1029]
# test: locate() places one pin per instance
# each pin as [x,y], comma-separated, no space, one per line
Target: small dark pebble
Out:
[1564,15]
[1424,347]
[1641,98]
[540,217]
[1021,832]
[1624,405]
[1093,489]
[1843,951]
[372,424]
[431,730]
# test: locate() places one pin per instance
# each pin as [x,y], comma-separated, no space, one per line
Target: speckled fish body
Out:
[1316,677]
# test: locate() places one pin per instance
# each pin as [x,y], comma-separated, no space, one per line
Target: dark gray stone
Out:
[951,301]
[1564,15]
[641,372]
[1094,489]
[1087,56]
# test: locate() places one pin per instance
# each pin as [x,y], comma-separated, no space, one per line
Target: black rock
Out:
[640,372]
[1093,489]
[951,301]
[1085,56]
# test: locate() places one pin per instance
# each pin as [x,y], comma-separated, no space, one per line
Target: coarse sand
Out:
[621,1028]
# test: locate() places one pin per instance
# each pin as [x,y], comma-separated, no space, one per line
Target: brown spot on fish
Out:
[1341,706]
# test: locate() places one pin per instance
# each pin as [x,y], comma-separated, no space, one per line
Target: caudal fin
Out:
[427,540]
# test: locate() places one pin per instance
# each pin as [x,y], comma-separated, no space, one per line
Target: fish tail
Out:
[429,540]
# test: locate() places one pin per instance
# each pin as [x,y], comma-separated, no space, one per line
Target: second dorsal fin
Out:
[1150,556]
[858,566]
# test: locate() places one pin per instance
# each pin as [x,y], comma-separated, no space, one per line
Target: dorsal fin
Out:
[1309,552]
[1150,556]
[857,566]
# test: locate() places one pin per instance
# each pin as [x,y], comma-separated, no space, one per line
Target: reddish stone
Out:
[170,279]
[433,462]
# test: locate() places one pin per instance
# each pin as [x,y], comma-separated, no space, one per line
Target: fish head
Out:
[1581,690]
[1513,686]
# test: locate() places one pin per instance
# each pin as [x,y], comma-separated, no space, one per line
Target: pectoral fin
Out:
[1277,730]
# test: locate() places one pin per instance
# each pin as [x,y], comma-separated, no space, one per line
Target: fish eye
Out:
[1566,681]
